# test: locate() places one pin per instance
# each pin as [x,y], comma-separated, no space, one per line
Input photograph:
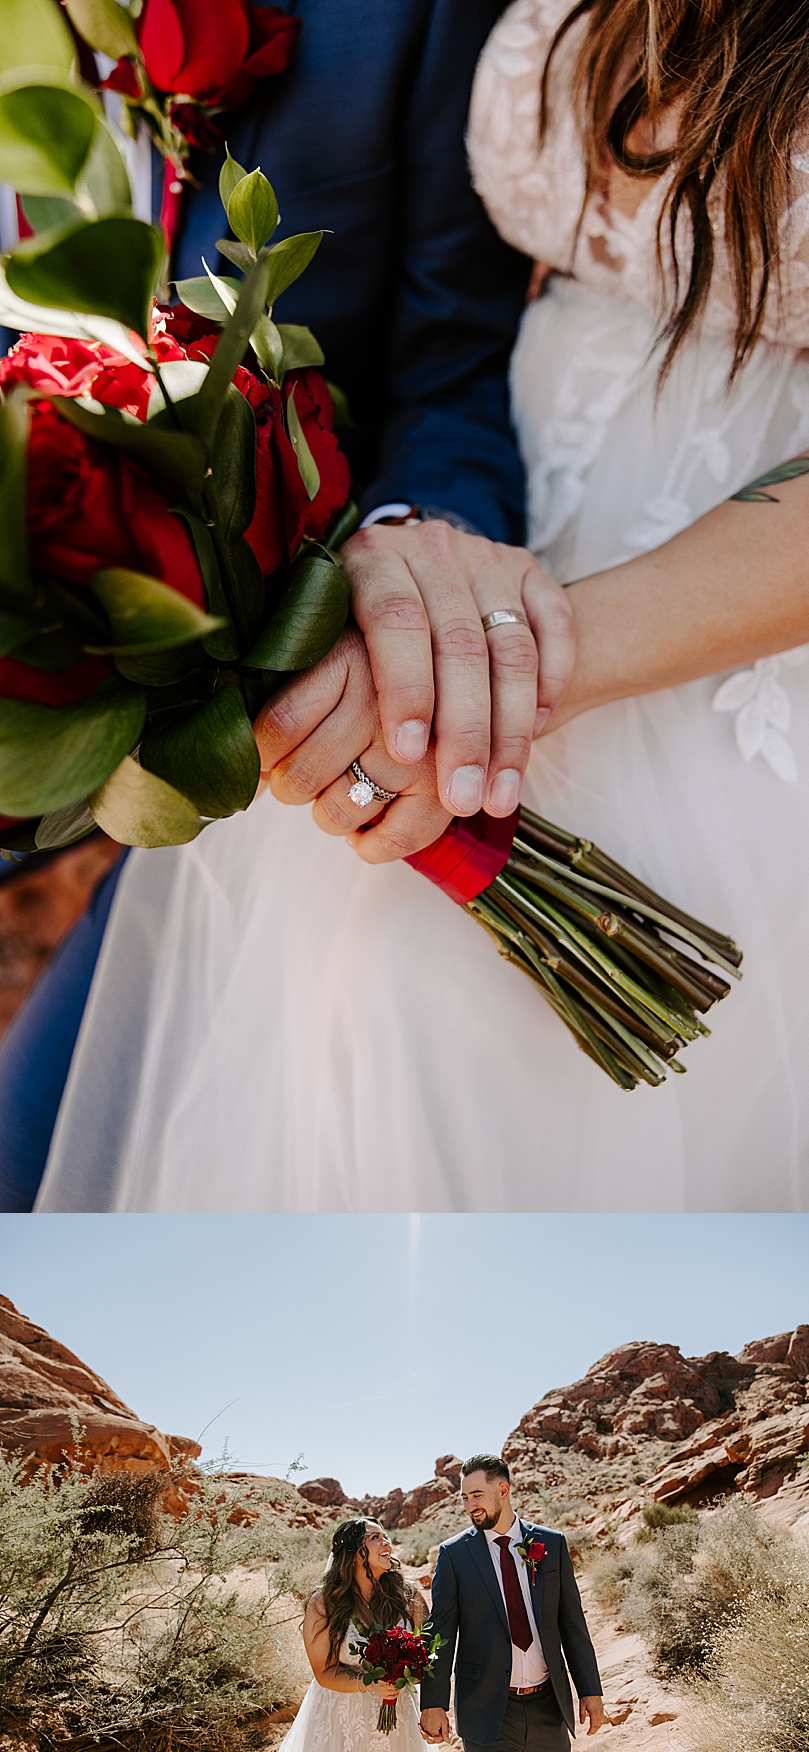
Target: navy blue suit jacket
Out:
[416,302]
[468,1610]
[413,297]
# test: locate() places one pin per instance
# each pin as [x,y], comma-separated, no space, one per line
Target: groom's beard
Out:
[485,1523]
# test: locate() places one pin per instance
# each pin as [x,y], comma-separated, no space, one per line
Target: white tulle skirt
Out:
[337,1721]
[276,1026]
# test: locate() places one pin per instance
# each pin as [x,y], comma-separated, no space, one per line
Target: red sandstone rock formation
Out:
[45,1390]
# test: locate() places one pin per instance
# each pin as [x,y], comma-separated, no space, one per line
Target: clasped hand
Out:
[434,708]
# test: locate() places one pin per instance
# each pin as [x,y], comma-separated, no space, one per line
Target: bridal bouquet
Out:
[171,487]
[399,1656]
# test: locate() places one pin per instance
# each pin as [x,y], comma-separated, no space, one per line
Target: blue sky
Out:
[373,1344]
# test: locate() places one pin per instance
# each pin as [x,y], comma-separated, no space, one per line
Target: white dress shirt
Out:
[528,1666]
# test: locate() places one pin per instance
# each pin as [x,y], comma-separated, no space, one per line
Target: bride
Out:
[276,1025]
[363,1587]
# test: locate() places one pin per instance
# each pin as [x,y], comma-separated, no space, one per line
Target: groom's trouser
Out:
[530,1724]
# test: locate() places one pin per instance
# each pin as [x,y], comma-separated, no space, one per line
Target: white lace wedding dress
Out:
[275,1026]
[345,1721]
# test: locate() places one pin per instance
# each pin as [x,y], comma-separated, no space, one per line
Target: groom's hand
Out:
[419,596]
[434,1725]
[591,1709]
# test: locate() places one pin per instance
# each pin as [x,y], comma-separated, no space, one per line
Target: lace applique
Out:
[763,711]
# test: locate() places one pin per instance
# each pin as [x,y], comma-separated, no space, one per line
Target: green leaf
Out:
[222,646]
[341,404]
[201,296]
[38,319]
[50,212]
[309,618]
[109,267]
[14,427]
[301,350]
[288,260]
[34,34]
[14,631]
[46,131]
[211,756]
[237,253]
[63,827]
[230,176]
[160,668]
[268,347]
[145,615]
[228,297]
[344,525]
[230,351]
[309,471]
[138,809]
[232,501]
[52,756]
[176,457]
[104,182]
[253,211]
[105,25]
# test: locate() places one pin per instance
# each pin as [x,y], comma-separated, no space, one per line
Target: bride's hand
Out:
[310,732]
[418,595]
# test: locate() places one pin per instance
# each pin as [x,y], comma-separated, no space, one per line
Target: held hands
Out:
[591,1709]
[434,1726]
[310,732]
[418,596]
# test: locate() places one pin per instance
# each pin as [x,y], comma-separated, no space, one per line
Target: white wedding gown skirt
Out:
[276,1026]
[344,1721]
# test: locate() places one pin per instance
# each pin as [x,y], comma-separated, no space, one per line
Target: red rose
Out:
[284,513]
[212,50]
[89,507]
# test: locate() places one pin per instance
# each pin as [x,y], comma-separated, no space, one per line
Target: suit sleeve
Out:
[448,440]
[579,1652]
[435,1688]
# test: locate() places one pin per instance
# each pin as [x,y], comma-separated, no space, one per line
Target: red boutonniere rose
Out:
[532,1552]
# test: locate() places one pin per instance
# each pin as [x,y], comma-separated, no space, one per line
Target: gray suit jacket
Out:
[468,1610]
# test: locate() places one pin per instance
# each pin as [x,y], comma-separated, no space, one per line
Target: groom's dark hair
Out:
[491,1464]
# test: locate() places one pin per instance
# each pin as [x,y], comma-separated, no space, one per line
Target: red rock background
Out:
[39,902]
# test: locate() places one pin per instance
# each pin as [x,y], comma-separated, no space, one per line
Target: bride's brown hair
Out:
[390,1601]
[740,69]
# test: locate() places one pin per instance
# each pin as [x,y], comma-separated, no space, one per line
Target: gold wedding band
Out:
[501,617]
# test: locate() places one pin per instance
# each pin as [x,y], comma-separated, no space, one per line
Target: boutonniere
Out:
[532,1552]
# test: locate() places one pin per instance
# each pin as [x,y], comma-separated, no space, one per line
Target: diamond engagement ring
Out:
[501,617]
[365,791]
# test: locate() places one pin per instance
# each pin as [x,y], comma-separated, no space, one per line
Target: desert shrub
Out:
[755,1696]
[122,1624]
[414,1544]
[608,1573]
[694,1579]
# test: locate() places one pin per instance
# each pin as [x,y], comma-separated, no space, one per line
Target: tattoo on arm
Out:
[786,471]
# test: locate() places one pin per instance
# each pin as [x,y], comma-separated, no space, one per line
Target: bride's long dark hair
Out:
[740,70]
[390,1601]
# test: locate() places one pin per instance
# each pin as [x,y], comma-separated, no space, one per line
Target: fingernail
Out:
[465,789]
[541,719]
[411,739]
[505,792]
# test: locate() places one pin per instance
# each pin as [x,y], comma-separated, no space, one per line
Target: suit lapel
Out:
[534,1581]
[479,1545]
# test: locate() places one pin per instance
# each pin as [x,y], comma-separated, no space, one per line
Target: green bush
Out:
[694,1579]
[755,1697]
[121,1623]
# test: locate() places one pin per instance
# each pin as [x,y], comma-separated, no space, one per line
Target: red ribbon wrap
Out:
[468,855]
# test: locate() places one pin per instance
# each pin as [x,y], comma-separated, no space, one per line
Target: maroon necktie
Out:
[515,1605]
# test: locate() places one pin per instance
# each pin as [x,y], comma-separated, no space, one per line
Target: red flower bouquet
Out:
[179,64]
[172,491]
[400,1657]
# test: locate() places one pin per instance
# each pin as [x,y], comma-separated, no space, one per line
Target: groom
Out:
[506,1593]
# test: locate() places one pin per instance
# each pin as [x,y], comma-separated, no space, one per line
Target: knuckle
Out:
[513,652]
[437,538]
[462,641]
[513,751]
[329,810]
[293,781]
[400,611]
